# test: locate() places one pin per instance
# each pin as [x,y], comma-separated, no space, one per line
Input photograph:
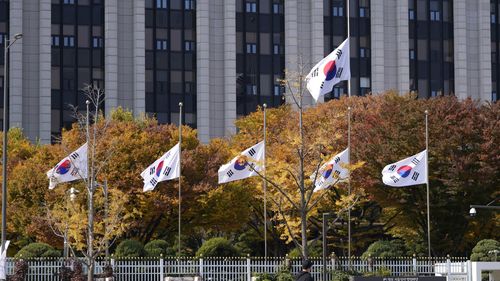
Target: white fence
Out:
[242,269]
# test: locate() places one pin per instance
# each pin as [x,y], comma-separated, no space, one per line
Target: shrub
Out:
[265,277]
[381,272]
[484,250]
[37,250]
[314,247]
[340,275]
[385,249]
[130,248]
[217,247]
[284,275]
[156,248]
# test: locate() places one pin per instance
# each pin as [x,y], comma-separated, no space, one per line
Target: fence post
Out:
[333,260]
[162,268]
[448,267]
[201,267]
[414,261]
[249,273]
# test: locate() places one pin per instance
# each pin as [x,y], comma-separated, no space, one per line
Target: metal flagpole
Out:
[349,182]
[348,36]
[180,153]
[265,185]
[427,181]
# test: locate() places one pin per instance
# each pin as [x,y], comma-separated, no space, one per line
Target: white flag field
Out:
[333,171]
[329,71]
[167,167]
[243,165]
[409,171]
[73,167]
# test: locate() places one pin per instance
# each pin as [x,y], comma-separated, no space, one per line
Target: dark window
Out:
[494,96]
[364,12]
[69,1]
[412,54]
[434,93]
[338,11]
[161,45]
[411,14]
[2,38]
[189,46]
[278,90]
[251,48]
[189,4]
[276,49]
[97,42]
[69,41]
[251,89]
[251,7]
[276,8]
[493,18]
[435,16]
[161,4]
[364,52]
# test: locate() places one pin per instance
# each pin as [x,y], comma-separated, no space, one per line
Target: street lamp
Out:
[473,208]
[72,196]
[7,44]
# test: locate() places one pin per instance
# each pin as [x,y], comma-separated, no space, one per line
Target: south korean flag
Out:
[73,167]
[409,171]
[167,167]
[244,165]
[333,171]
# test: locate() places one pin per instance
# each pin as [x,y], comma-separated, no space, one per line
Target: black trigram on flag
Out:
[336,173]
[392,167]
[339,72]
[337,160]
[153,182]
[167,170]
[315,72]
[152,170]
[415,176]
[339,53]
[395,179]
[230,173]
[74,172]
[415,161]
[322,84]
[74,155]
[252,152]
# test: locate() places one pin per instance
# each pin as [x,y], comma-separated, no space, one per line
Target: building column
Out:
[229,67]
[110,55]
[377,48]
[403,45]
[203,69]
[139,60]
[485,83]
[16,65]
[45,77]
[460,48]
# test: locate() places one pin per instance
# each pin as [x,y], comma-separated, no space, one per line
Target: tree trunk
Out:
[90,250]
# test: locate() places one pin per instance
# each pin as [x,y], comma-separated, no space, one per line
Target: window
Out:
[189,4]
[251,89]
[277,90]
[97,42]
[364,52]
[189,46]
[55,40]
[435,16]
[435,11]
[364,82]
[251,7]
[412,54]
[2,38]
[276,8]
[276,49]
[411,14]
[338,11]
[161,45]
[337,91]
[494,96]
[69,41]
[493,18]
[69,2]
[251,48]
[364,12]
[434,93]
[161,4]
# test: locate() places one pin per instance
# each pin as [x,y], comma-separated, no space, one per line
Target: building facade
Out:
[223,58]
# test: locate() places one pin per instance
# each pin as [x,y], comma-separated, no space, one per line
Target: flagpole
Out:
[348,36]
[180,194]
[427,181]
[349,182]
[264,106]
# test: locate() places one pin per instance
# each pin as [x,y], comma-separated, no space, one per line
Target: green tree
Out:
[130,248]
[486,250]
[156,248]
[37,250]
[385,249]
[217,247]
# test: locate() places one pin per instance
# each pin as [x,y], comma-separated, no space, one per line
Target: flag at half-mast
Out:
[333,171]
[329,71]
[73,167]
[167,167]
[244,165]
[409,171]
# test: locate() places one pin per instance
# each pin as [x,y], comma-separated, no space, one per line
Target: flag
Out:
[409,171]
[73,167]
[3,261]
[243,165]
[333,171]
[167,167]
[329,71]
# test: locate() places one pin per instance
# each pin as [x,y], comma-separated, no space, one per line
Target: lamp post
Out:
[325,217]
[72,196]
[7,44]
[473,208]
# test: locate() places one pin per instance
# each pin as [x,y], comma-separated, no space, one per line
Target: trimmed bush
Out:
[130,248]
[484,250]
[340,275]
[217,247]
[385,249]
[38,250]
[314,247]
[156,248]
